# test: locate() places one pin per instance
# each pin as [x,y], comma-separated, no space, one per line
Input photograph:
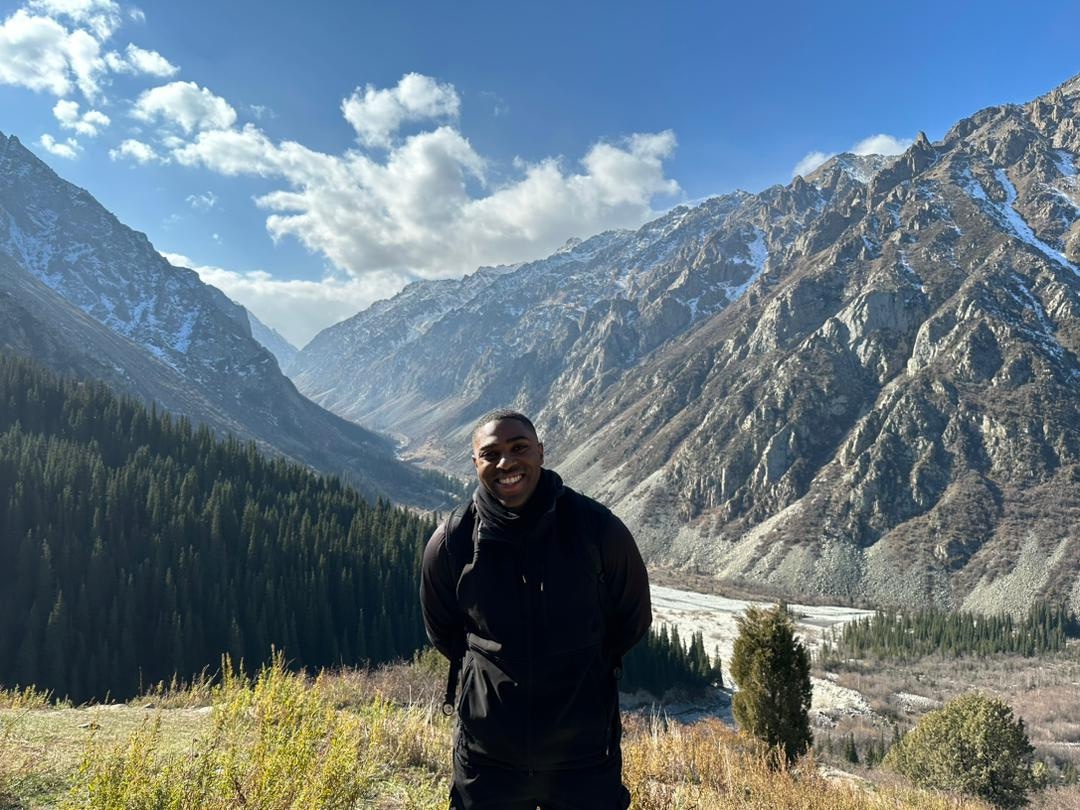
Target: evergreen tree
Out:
[772,672]
[851,751]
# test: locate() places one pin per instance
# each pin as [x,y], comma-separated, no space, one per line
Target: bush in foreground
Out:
[972,745]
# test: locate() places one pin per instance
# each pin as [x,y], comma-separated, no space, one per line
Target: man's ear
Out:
[475,462]
[541,444]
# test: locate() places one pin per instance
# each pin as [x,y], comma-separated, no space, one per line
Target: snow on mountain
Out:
[194,342]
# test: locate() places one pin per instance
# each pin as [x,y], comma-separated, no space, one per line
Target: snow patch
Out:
[758,256]
[1066,165]
[910,271]
[1011,219]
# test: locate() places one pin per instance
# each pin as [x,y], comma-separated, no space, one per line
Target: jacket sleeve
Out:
[443,619]
[628,587]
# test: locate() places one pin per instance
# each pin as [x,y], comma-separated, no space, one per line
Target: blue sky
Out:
[311,158]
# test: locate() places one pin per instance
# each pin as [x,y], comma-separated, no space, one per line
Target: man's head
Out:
[508,456]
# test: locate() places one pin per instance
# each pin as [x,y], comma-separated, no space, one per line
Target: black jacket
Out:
[541,634]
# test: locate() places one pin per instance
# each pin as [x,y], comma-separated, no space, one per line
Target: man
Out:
[539,591]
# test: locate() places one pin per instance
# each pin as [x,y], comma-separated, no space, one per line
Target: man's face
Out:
[508,457]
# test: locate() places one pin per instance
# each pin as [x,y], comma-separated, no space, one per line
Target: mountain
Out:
[89,296]
[427,362]
[861,386]
[273,341]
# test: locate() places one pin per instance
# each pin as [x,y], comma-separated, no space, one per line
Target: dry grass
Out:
[707,765]
[354,739]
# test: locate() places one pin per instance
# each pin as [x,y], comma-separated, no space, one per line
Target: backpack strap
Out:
[587,517]
[459,543]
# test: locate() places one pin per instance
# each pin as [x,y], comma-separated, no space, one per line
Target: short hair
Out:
[498,415]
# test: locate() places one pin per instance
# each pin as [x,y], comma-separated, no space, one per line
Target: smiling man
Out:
[534,592]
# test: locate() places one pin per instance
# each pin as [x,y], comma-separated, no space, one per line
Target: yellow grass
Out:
[359,740]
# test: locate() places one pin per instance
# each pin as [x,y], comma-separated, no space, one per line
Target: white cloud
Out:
[296,308]
[202,202]
[151,63]
[40,54]
[416,214]
[140,60]
[68,149]
[377,114]
[413,215]
[138,151]
[232,152]
[186,105]
[810,162]
[879,144]
[102,17]
[89,123]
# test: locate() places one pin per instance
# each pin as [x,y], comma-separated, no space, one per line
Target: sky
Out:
[309,159]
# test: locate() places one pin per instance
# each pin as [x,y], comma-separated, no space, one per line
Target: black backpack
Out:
[461,537]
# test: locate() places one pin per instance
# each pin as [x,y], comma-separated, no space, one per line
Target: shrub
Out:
[772,671]
[972,745]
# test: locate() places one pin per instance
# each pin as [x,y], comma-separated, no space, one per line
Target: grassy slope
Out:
[353,739]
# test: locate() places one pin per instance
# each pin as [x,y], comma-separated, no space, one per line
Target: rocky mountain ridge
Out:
[89,296]
[861,386]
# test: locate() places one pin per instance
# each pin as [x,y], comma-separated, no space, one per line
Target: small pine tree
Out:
[851,751]
[772,672]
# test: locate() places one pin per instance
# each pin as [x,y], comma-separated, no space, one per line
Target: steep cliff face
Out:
[896,418]
[89,296]
[860,385]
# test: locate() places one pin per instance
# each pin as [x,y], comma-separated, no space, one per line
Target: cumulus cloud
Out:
[879,144]
[298,309]
[131,149]
[40,54]
[68,149]
[140,60]
[102,17]
[185,105]
[376,115]
[413,215]
[88,123]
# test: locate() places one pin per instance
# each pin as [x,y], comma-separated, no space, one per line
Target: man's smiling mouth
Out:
[510,480]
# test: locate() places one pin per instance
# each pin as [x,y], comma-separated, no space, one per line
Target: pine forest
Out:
[137,547]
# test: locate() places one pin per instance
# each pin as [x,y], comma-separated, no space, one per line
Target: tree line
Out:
[661,661]
[907,635]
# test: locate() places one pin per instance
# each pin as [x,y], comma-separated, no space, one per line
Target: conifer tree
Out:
[771,669]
